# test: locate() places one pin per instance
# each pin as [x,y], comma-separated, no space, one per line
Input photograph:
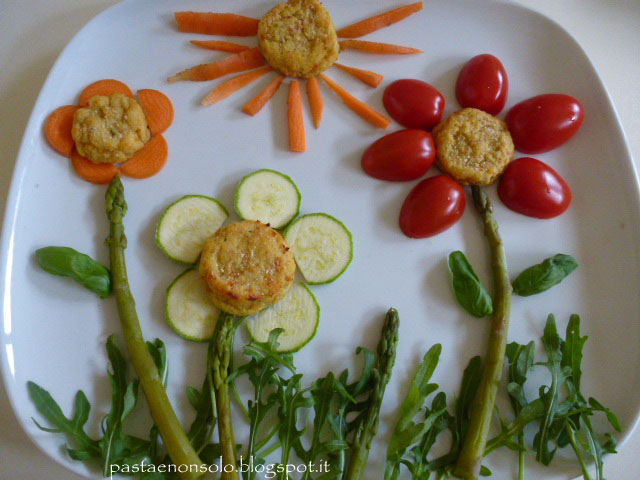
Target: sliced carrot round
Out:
[108,86]
[58,129]
[157,108]
[100,173]
[149,160]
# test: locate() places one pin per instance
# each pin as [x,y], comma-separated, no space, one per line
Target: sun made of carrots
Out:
[251,61]
[146,162]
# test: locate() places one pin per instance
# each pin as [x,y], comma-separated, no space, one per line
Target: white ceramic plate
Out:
[53,332]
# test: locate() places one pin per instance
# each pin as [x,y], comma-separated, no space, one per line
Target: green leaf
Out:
[572,350]
[67,262]
[543,276]
[613,420]
[469,291]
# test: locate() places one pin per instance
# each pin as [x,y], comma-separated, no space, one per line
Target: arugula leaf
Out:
[468,289]
[544,275]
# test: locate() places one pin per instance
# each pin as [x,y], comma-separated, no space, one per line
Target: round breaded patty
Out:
[473,146]
[111,129]
[298,38]
[246,266]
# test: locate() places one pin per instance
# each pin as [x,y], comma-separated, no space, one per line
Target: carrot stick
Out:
[297,140]
[377,22]
[157,109]
[100,173]
[370,78]
[365,111]
[254,105]
[149,160]
[57,129]
[220,45]
[108,86]
[315,100]
[245,60]
[216,23]
[233,85]
[377,47]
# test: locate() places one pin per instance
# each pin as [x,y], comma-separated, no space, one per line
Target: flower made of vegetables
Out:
[111,131]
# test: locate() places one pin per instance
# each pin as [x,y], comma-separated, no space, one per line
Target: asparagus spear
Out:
[176,442]
[470,459]
[381,373]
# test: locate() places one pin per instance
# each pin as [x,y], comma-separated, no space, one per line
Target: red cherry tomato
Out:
[483,84]
[434,205]
[533,188]
[414,103]
[400,156]
[545,122]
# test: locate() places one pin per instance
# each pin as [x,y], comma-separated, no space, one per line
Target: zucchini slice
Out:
[298,313]
[268,196]
[186,225]
[321,245]
[188,309]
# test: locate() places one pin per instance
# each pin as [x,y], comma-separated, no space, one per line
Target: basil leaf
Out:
[67,262]
[543,276]
[470,293]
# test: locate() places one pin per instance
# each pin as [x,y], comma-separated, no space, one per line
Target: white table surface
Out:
[33,33]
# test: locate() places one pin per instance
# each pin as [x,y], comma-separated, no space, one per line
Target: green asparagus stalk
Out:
[222,350]
[470,459]
[175,440]
[381,373]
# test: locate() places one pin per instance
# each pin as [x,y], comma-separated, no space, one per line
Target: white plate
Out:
[53,332]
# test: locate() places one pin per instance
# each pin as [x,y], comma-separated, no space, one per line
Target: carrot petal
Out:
[297,139]
[58,129]
[149,160]
[245,60]
[157,108]
[372,79]
[108,86]
[216,23]
[377,22]
[254,105]
[377,47]
[315,100]
[220,46]
[233,85]
[100,173]
[365,111]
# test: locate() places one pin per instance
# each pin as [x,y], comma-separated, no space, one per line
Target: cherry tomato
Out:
[483,84]
[545,122]
[434,205]
[400,156]
[533,188]
[414,103]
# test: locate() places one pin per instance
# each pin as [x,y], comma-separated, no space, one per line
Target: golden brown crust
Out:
[298,38]
[473,146]
[246,266]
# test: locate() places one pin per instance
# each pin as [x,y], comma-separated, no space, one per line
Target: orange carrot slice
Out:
[216,23]
[377,47]
[245,60]
[108,86]
[233,85]
[297,139]
[220,46]
[58,129]
[149,160]
[365,111]
[315,100]
[157,109]
[100,173]
[372,79]
[254,105]
[377,22]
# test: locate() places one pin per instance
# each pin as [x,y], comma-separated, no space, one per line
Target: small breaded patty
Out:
[473,146]
[246,266]
[111,129]
[298,38]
